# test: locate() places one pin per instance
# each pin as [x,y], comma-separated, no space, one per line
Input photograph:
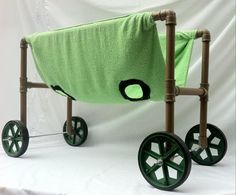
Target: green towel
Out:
[112,61]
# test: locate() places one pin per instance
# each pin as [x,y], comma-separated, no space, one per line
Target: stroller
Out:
[124,60]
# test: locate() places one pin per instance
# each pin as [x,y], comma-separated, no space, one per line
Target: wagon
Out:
[124,60]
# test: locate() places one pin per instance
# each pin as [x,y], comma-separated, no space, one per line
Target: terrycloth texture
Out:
[88,62]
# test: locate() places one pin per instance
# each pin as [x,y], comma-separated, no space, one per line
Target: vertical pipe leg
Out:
[203,123]
[23,82]
[170,74]
[170,117]
[205,85]
[69,128]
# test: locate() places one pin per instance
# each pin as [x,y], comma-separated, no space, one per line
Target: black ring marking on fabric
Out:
[145,88]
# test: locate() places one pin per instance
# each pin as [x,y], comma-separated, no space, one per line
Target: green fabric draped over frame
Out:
[111,61]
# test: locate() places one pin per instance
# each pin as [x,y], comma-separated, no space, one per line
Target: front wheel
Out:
[15,138]
[164,160]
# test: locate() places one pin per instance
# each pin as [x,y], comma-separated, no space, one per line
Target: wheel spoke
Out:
[174,166]
[171,152]
[214,146]
[20,138]
[74,138]
[165,174]
[153,169]
[11,146]
[209,154]
[80,136]
[161,148]
[17,146]
[210,138]
[199,151]
[12,130]
[6,139]
[152,154]
[17,132]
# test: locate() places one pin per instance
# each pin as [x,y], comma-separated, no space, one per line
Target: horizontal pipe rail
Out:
[163,15]
[190,91]
[36,85]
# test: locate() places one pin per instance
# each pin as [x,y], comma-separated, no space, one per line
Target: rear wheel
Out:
[81,132]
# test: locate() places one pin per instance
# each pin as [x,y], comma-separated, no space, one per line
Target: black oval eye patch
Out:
[58,89]
[134,90]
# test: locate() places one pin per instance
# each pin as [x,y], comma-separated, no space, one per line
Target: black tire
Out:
[15,138]
[172,156]
[206,156]
[81,132]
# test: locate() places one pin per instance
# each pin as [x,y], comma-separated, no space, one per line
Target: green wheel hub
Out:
[164,160]
[81,132]
[216,149]
[15,138]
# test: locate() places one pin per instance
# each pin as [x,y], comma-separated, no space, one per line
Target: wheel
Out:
[217,145]
[15,138]
[81,132]
[164,160]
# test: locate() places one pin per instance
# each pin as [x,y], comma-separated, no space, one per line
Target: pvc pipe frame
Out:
[170,89]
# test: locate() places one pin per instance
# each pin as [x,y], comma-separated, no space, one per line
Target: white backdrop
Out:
[107,164]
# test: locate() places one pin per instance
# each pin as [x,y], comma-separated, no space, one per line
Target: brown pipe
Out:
[170,18]
[23,82]
[69,128]
[36,85]
[204,33]
[168,15]
[190,91]
[204,85]
[170,81]
[162,15]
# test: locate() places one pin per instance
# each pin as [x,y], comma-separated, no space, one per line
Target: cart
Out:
[164,159]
